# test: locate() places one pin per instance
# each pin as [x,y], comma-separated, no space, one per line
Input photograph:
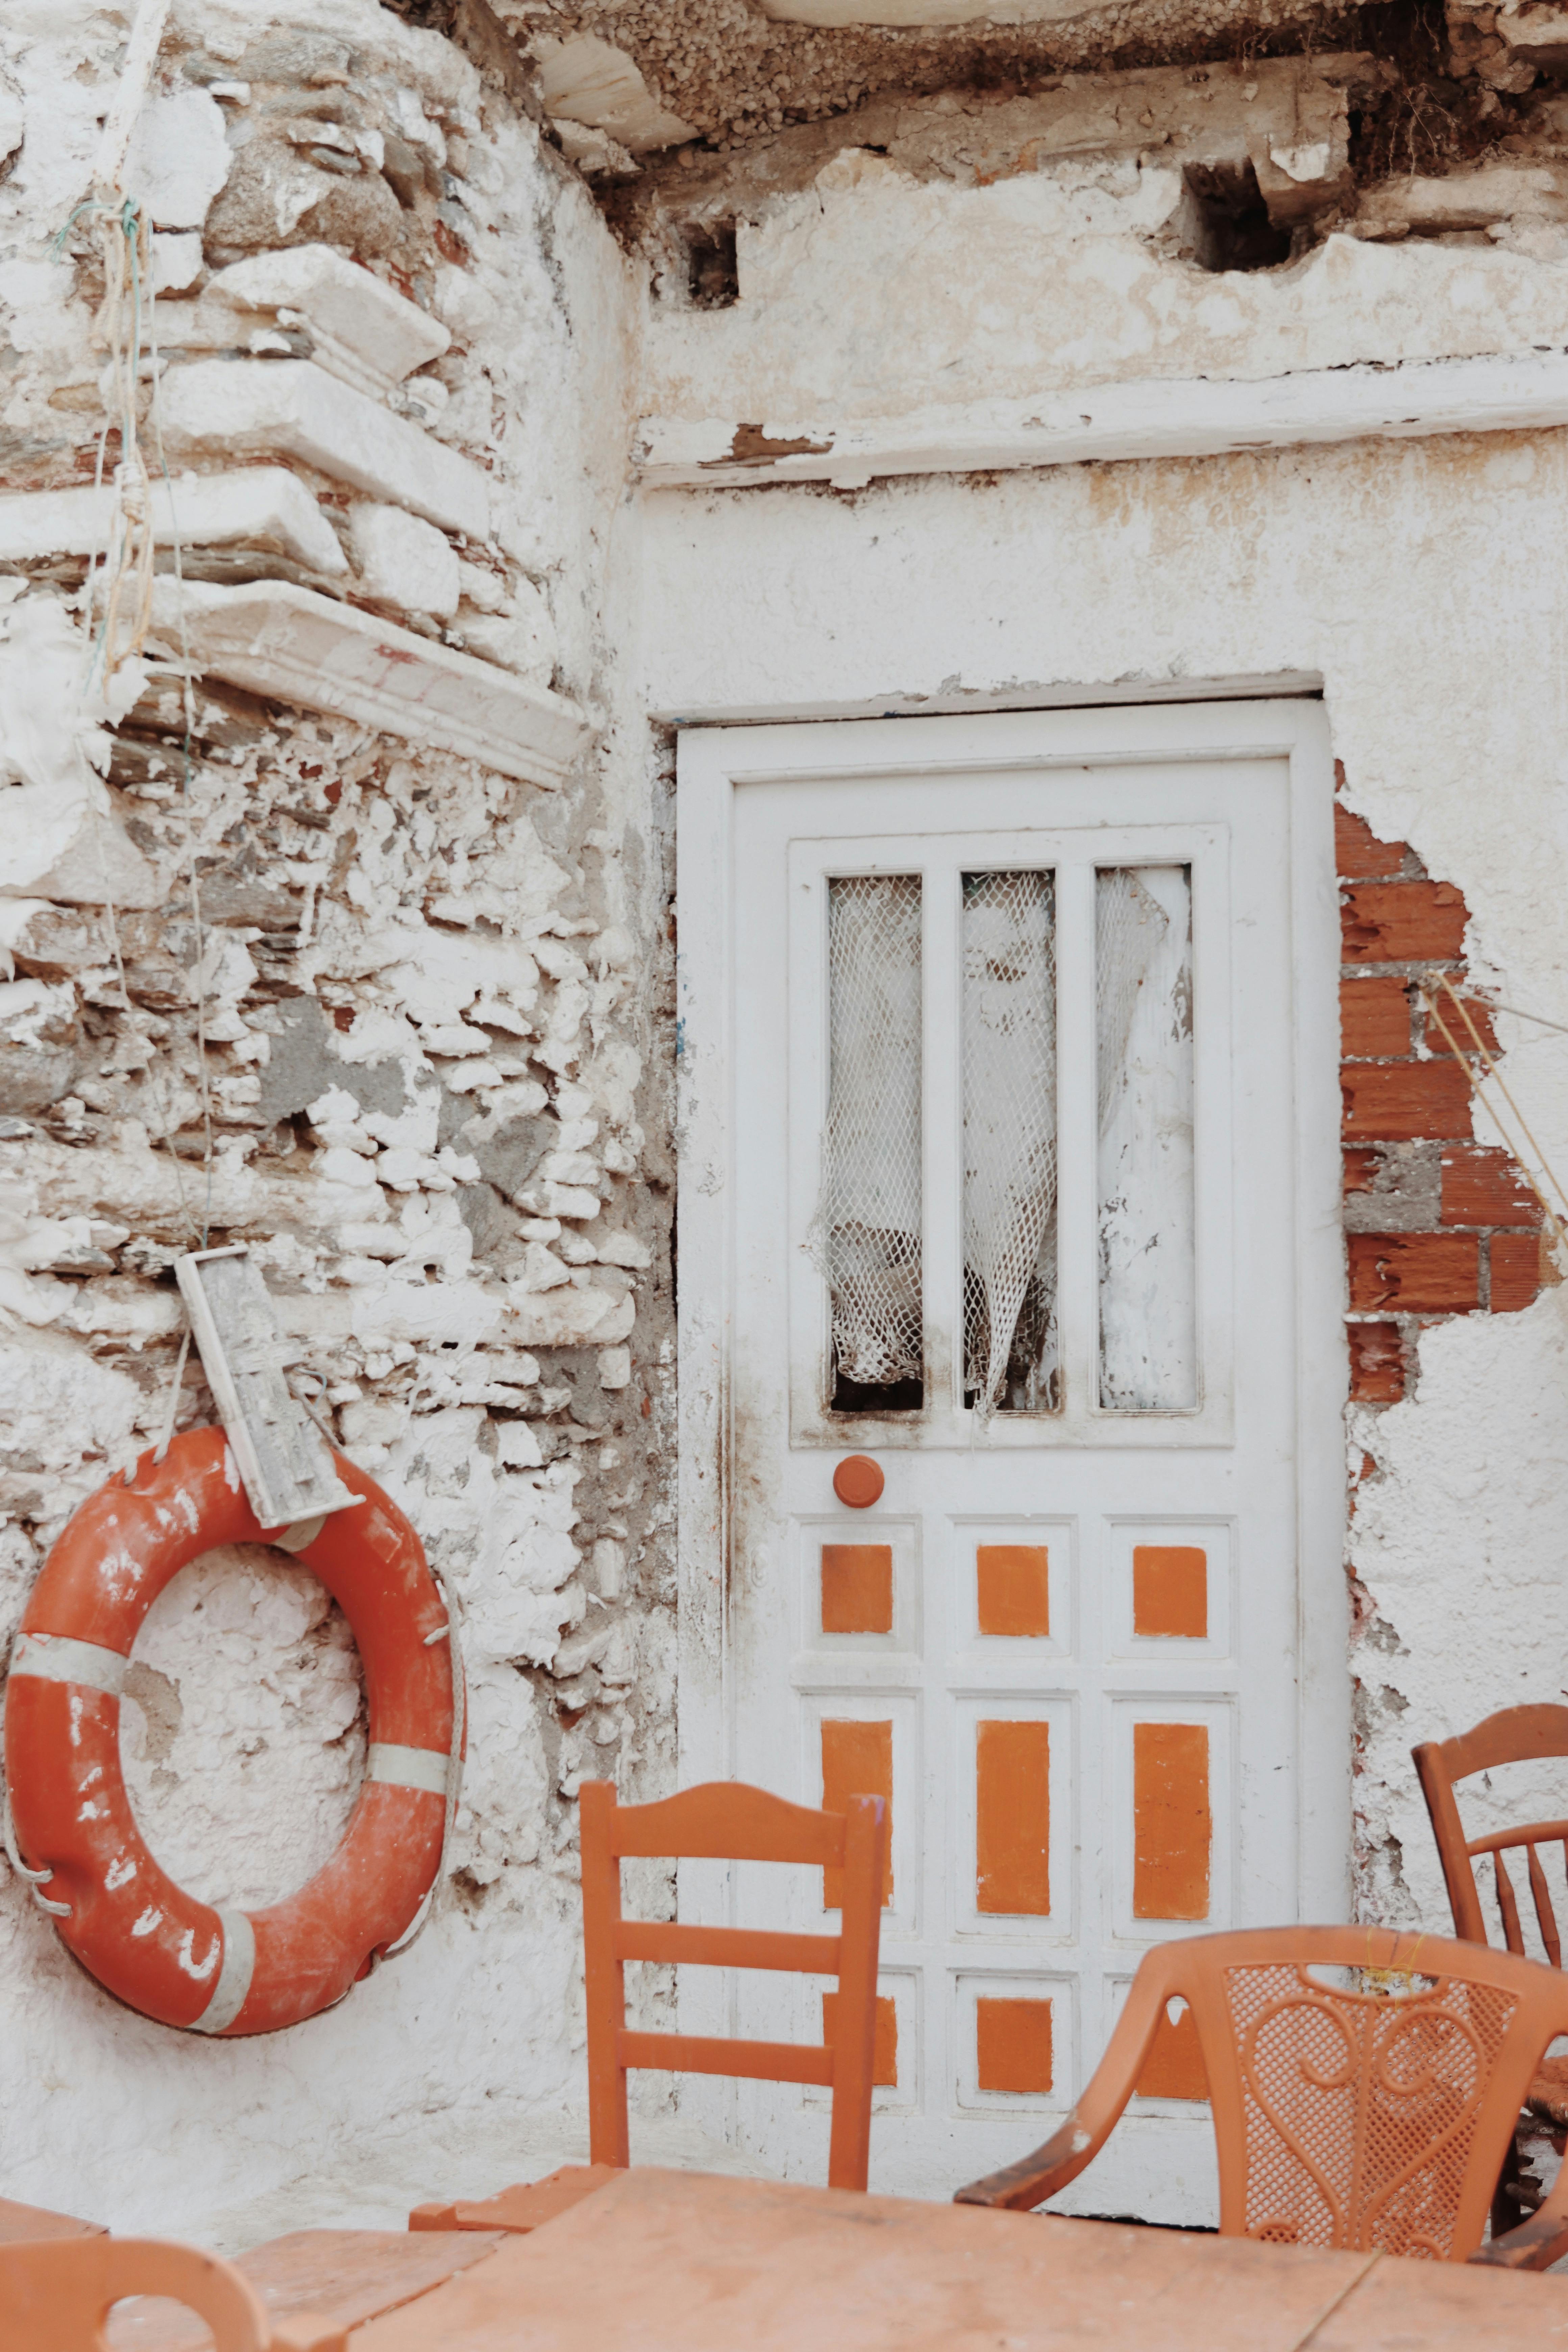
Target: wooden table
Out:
[682,2261]
[343,2277]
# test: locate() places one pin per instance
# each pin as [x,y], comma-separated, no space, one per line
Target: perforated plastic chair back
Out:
[1363,2085]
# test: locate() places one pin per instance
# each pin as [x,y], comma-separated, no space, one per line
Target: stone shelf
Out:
[287,641]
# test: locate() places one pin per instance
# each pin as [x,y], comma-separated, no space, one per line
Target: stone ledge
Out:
[1149,418]
[263,503]
[287,641]
[366,334]
[293,408]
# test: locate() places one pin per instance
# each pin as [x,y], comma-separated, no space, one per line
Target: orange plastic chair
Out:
[1354,2119]
[56,2293]
[727,1821]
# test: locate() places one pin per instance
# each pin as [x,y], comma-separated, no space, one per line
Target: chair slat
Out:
[726,1948]
[1527,1833]
[724,1821]
[1545,1918]
[695,2054]
[1513,1935]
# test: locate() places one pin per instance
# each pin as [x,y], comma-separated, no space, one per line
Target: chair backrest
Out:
[729,1822]
[1372,2113]
[1518,1734]
[55,2294]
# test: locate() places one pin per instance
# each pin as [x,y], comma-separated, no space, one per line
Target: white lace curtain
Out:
[867,1231]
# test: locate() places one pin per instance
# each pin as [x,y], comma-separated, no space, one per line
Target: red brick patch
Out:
[1377,1363]
[1374,1018]
[1414,1274]
[1483,1186]
[1515,1272]
[1403,922]
[1358,853]
[1404,1102]
[1466,1222]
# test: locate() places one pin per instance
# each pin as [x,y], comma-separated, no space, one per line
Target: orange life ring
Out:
[184,1962]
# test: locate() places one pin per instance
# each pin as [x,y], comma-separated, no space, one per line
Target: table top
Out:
[342,2277]
[680,2262]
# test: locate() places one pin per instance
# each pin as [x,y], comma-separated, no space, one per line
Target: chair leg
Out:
[1507,2202]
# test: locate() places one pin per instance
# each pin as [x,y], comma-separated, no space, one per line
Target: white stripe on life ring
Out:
[234,1976]
[406,1767]
[56,1658]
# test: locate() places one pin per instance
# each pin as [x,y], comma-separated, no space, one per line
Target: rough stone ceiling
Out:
[652,73]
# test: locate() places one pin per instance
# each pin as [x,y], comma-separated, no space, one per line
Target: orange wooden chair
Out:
[725,1822]
[56,2293]
[1356,2118]
[1518,1734]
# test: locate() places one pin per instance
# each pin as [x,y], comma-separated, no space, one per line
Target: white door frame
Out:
[714,763]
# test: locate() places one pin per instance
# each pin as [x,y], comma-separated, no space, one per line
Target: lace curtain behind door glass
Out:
[866,1234]
[1144,1035]
[1009,1044]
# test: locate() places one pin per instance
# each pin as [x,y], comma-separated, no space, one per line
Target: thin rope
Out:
[1540,1019]
[124,233]
[1556,1214]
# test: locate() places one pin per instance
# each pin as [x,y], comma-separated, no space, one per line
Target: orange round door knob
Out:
[858,1482]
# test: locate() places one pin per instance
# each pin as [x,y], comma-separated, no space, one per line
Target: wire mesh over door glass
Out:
[1008,1031]
[1144,1035]
[866,1234]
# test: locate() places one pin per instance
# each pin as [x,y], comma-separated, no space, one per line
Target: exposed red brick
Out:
[1357,849]
[1377,1363]
[1414,1274]
[1481,1015]
[1482,1186]
[1374,1017]
[1516,1271]
[1360,1169]
[1403,922]
[1404,1102]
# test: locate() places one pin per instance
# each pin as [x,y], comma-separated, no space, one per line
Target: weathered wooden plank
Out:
[343,2277]
[284,1462]
[19,2222]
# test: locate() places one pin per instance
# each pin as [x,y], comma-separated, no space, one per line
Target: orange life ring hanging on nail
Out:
[184,1962]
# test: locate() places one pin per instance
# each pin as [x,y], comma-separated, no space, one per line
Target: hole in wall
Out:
[713,277]
[1225,221]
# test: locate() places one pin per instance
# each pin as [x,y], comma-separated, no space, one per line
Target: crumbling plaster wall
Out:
[1425,586]
[431,994]
[859,296]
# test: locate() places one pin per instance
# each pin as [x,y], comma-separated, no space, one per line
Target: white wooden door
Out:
[1011,1164]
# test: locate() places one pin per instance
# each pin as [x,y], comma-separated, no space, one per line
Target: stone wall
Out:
[366,973]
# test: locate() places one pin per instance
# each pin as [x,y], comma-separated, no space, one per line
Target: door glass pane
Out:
[1009,1033]
[866,1234]
[1143,1031]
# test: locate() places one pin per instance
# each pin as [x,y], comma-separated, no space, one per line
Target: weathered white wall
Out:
[875,293]
[1426,586]
[456,940]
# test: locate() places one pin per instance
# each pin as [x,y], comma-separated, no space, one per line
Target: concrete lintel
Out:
[290,643]
[1513,392]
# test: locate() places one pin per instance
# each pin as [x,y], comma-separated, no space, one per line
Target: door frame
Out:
[714,761]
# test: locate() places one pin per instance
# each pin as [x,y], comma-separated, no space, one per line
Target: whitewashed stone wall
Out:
[431,993]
